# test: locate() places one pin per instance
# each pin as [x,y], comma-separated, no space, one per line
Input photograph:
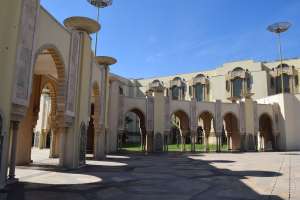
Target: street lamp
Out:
[99,4]
[279,28]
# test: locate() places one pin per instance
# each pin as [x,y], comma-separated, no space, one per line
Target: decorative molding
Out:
[24,57]
[74,59]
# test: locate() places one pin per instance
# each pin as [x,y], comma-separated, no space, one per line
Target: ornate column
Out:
[106,62]
[206,134]
[12,164]
[78,90]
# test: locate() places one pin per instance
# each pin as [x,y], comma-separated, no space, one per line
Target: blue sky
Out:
[164,37]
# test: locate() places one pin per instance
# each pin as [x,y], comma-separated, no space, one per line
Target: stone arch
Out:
[231,128]
[142,126]
[61,77]
[180,123]
[206,122]
[266,139]
[55,74]
[184,118]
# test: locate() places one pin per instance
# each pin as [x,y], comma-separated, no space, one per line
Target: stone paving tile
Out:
[166,176]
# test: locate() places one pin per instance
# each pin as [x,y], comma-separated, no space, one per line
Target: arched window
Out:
[239,83]
[178,86]
[175,92]
[237,87]
[283,73]
[199,91]
[200,87]
[286,84]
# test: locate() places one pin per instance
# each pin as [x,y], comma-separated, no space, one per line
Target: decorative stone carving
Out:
[72,74]
[200,78]
[24,58]
[156,86]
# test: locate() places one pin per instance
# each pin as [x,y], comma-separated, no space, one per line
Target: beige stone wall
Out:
[51,32]
[217,78]
[8,42]
[288,119]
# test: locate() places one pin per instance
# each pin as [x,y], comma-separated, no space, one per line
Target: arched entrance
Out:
[134,136]
[206,126]
[180,131]
[48,85]
[91,132]
[265,137]
[230,123]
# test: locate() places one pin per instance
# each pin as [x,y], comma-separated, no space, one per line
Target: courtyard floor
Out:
[267,175]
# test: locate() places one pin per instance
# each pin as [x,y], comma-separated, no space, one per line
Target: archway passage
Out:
[134,136]
[180,132]
[230,123]
[205,139]
[266,140]
[91,132]
[44,115]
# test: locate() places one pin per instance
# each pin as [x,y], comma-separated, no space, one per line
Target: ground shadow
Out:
[156,176]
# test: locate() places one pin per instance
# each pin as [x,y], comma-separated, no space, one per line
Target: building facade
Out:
[53,84]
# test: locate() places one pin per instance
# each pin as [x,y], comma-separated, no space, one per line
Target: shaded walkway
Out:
[168,176]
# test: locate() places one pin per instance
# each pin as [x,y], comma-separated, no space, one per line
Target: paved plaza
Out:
[268,175]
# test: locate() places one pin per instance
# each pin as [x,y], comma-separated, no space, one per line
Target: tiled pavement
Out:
[273,175]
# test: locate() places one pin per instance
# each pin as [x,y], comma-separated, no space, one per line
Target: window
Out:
[121,92]
[175,92]
[199,90]
[272,82]
[286,84]
[237,84]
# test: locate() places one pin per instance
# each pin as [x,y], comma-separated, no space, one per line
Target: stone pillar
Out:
[62,135]
[12,164]
[106,62]
[54,146]
[243,140]
[207,129]
[193,140]
[149,141]
[229,142]
[218,141]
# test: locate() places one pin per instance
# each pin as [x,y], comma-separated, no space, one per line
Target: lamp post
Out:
[279,28]
[99,4]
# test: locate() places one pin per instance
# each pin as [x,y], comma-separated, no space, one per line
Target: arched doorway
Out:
[206,126]
[134,136]
[230,123]
[180,132]
[48,82]
[265,137]
[91,132]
